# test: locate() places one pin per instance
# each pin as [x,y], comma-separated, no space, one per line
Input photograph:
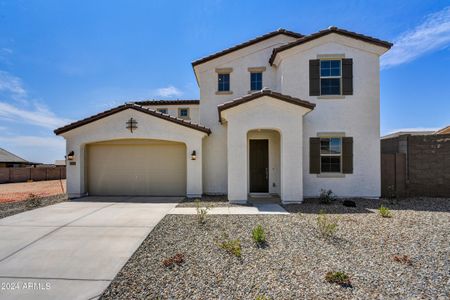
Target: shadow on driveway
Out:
[129,199]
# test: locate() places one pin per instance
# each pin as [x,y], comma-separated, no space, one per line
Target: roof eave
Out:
[136,107]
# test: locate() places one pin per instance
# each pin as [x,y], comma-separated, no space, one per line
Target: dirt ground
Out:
[11,192]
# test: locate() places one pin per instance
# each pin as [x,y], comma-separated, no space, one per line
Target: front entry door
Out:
[259,166]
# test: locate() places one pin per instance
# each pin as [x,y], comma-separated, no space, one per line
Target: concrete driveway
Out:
[73,250]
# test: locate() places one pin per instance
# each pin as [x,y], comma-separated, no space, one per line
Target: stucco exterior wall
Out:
[149,127]
[273,114]
[356,115]
[215,157]
[173,110]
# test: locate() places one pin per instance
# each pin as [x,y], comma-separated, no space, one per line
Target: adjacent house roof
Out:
[246,44]
[331,29]
[8,157]
[399,133]
[259,94]
[167,102]
[135,107]
[445,130]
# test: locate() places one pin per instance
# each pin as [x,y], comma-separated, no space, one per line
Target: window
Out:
[183,113]
[255,81]
[223,82]
[330,77]
[330,155]
[162,110]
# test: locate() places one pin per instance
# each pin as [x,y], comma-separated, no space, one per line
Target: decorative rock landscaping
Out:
[12,208]
[403,257]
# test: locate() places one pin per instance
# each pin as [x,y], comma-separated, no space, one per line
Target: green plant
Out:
[385,212]
[202,212]
[231,246]
[327,196]
[262,297]
[340,278]
[326,226]
[258,235]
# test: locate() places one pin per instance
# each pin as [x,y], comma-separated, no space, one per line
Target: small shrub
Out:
[262,297]
[231,246]
[340,278]
[385,212]
[202,212]
[258,235]
[327,196]
[403,259]
[327,227]
[177,259]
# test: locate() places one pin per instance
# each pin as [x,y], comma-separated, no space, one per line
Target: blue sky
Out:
[64,60]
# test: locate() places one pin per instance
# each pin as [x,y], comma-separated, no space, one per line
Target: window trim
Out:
[330,58]
[188,113]
[163,108]
[329,136]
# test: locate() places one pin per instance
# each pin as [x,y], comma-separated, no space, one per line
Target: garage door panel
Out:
[153,168]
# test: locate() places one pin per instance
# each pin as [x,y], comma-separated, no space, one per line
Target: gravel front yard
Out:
[11,208]
[294,262]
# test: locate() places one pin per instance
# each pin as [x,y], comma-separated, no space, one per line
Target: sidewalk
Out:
[256,209]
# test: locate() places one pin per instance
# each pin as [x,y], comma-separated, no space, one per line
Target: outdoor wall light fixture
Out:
[70,155]
[194,155]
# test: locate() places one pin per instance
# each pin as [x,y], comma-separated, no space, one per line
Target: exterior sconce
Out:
[194,155]
[70,156]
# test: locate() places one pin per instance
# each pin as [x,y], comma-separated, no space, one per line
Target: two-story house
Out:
[282,114]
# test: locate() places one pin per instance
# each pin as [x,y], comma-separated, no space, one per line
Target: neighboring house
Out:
[10,160]
[282,114]
[445,130]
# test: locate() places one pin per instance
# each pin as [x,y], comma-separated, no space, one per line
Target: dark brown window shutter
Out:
[347,155]
[347,76]
[314,77]
[314,155]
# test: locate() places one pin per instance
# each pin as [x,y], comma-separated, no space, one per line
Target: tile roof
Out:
[135,107]
[246,44]
[264,92]
[331,29]
[167,102]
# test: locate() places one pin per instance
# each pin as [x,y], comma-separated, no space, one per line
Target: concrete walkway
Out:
[73,250]
[256,209]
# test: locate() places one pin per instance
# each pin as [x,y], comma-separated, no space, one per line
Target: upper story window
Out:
[256,81]
[330,77]
[183,113]
[330,155]
[223,82]
[162,110]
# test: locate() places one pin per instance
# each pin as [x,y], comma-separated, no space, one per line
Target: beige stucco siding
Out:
[136,167]
[114,128]
[356,115]
[215,146]
[173,110]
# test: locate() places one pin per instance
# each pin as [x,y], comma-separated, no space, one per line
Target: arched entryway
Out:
[263,147]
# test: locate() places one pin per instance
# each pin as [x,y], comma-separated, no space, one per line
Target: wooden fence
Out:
[8,175]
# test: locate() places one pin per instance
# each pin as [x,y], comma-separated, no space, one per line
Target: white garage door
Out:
[136,167]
